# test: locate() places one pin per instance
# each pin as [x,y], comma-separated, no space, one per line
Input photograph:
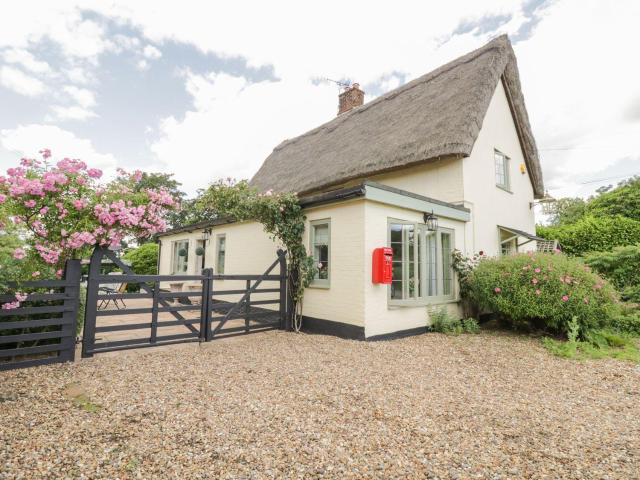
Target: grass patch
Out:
[595,345]
[86,404]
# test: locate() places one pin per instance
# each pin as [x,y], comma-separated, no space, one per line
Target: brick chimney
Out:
[352,97]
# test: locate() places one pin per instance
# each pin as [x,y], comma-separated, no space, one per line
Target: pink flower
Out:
[597,286]
[21,297]
[44,210]
[269,192]
[10,305]
[497,290]
[538,291]
[46,153]
[534,281]
[59,273]
[565,298]
[585,299]
[137,175]
[18,254]
[35,274]
[3,198]
[30,203]
[94,173]
[537,270]
[81,180]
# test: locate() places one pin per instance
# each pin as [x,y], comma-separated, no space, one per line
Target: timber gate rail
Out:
[201,314]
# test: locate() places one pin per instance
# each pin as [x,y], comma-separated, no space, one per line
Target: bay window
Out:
[422,271]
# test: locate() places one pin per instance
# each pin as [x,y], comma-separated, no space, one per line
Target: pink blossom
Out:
[3,198]
[30,203]
[46,153]
[59,273]
[81,180]
[94,173]
[534,281]
[79,204]
[269,192]
[538,291]
[585,299]
[44,210]
[537,270]
[10,305]
[565,298]
[497,290]
[35,274]
[19,254]
[597,286]
[21,297]
[26,162]
[137,175]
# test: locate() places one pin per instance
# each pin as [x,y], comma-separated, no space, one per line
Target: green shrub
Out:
[443,322]
[597,344]
[144,259]
[621,266]
[628,323]
[543,290]
[470,325]
[593,234]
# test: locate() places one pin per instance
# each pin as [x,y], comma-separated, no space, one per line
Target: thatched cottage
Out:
[453,145]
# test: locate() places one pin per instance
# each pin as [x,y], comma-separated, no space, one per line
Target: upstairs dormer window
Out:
[502,170]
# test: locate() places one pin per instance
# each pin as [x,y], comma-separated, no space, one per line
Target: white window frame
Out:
[218,271]
[175,257]
[506,163]
[320,282]
[420,272]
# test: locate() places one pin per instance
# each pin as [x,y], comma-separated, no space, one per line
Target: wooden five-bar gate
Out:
[43,328]
[161,316]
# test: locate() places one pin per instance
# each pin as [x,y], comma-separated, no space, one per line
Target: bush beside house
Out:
[621,266]
[544,291]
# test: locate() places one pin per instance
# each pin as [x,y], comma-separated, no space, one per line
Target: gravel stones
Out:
[284,405]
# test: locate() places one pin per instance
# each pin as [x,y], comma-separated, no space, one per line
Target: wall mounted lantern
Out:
[431,221]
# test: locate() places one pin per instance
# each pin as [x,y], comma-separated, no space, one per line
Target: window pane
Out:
[447,280]
[432,269]
[320,250]
[502,174]
[222,247]
[397,247]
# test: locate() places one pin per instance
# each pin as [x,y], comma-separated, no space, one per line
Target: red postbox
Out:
[383,265]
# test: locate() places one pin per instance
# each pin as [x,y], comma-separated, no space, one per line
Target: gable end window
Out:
[502,170]
[320,243]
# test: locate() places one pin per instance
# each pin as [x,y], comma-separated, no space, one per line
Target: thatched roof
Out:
[439,114]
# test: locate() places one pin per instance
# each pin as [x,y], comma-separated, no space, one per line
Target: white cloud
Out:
[83,97]
[73,112]
[151,52]
[27,140]
[236,125]
[20,82]
[26,60]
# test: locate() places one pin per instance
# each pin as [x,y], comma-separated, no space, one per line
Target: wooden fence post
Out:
[72,273]
[205,316]
[91,308]
[282,256]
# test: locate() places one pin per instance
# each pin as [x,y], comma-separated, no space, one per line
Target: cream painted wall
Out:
[381,318]
[440,180]
[343,301]
[491,206]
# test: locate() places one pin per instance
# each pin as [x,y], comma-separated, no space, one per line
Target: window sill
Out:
[421,303]
[504,189]
[321,286]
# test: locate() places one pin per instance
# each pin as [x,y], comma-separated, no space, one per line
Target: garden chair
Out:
[112,289]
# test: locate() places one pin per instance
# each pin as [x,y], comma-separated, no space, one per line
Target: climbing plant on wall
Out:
[281,216]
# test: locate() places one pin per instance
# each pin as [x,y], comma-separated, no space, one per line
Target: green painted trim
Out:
[383,195]
[321,282]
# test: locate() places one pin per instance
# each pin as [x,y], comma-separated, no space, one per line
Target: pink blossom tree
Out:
[64,211]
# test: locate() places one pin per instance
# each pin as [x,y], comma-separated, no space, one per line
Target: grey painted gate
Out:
[156,315]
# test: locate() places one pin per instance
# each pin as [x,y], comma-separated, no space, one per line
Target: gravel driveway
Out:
[281,405]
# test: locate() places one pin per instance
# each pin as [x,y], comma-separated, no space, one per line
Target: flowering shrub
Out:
[64,211]
[546,290]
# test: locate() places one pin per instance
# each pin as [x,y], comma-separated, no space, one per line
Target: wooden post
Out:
[282,256]
[154,312]
[91,308]
[247,306]
[205,316]
[72,273]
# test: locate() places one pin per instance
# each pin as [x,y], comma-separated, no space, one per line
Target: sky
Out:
[206,90]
